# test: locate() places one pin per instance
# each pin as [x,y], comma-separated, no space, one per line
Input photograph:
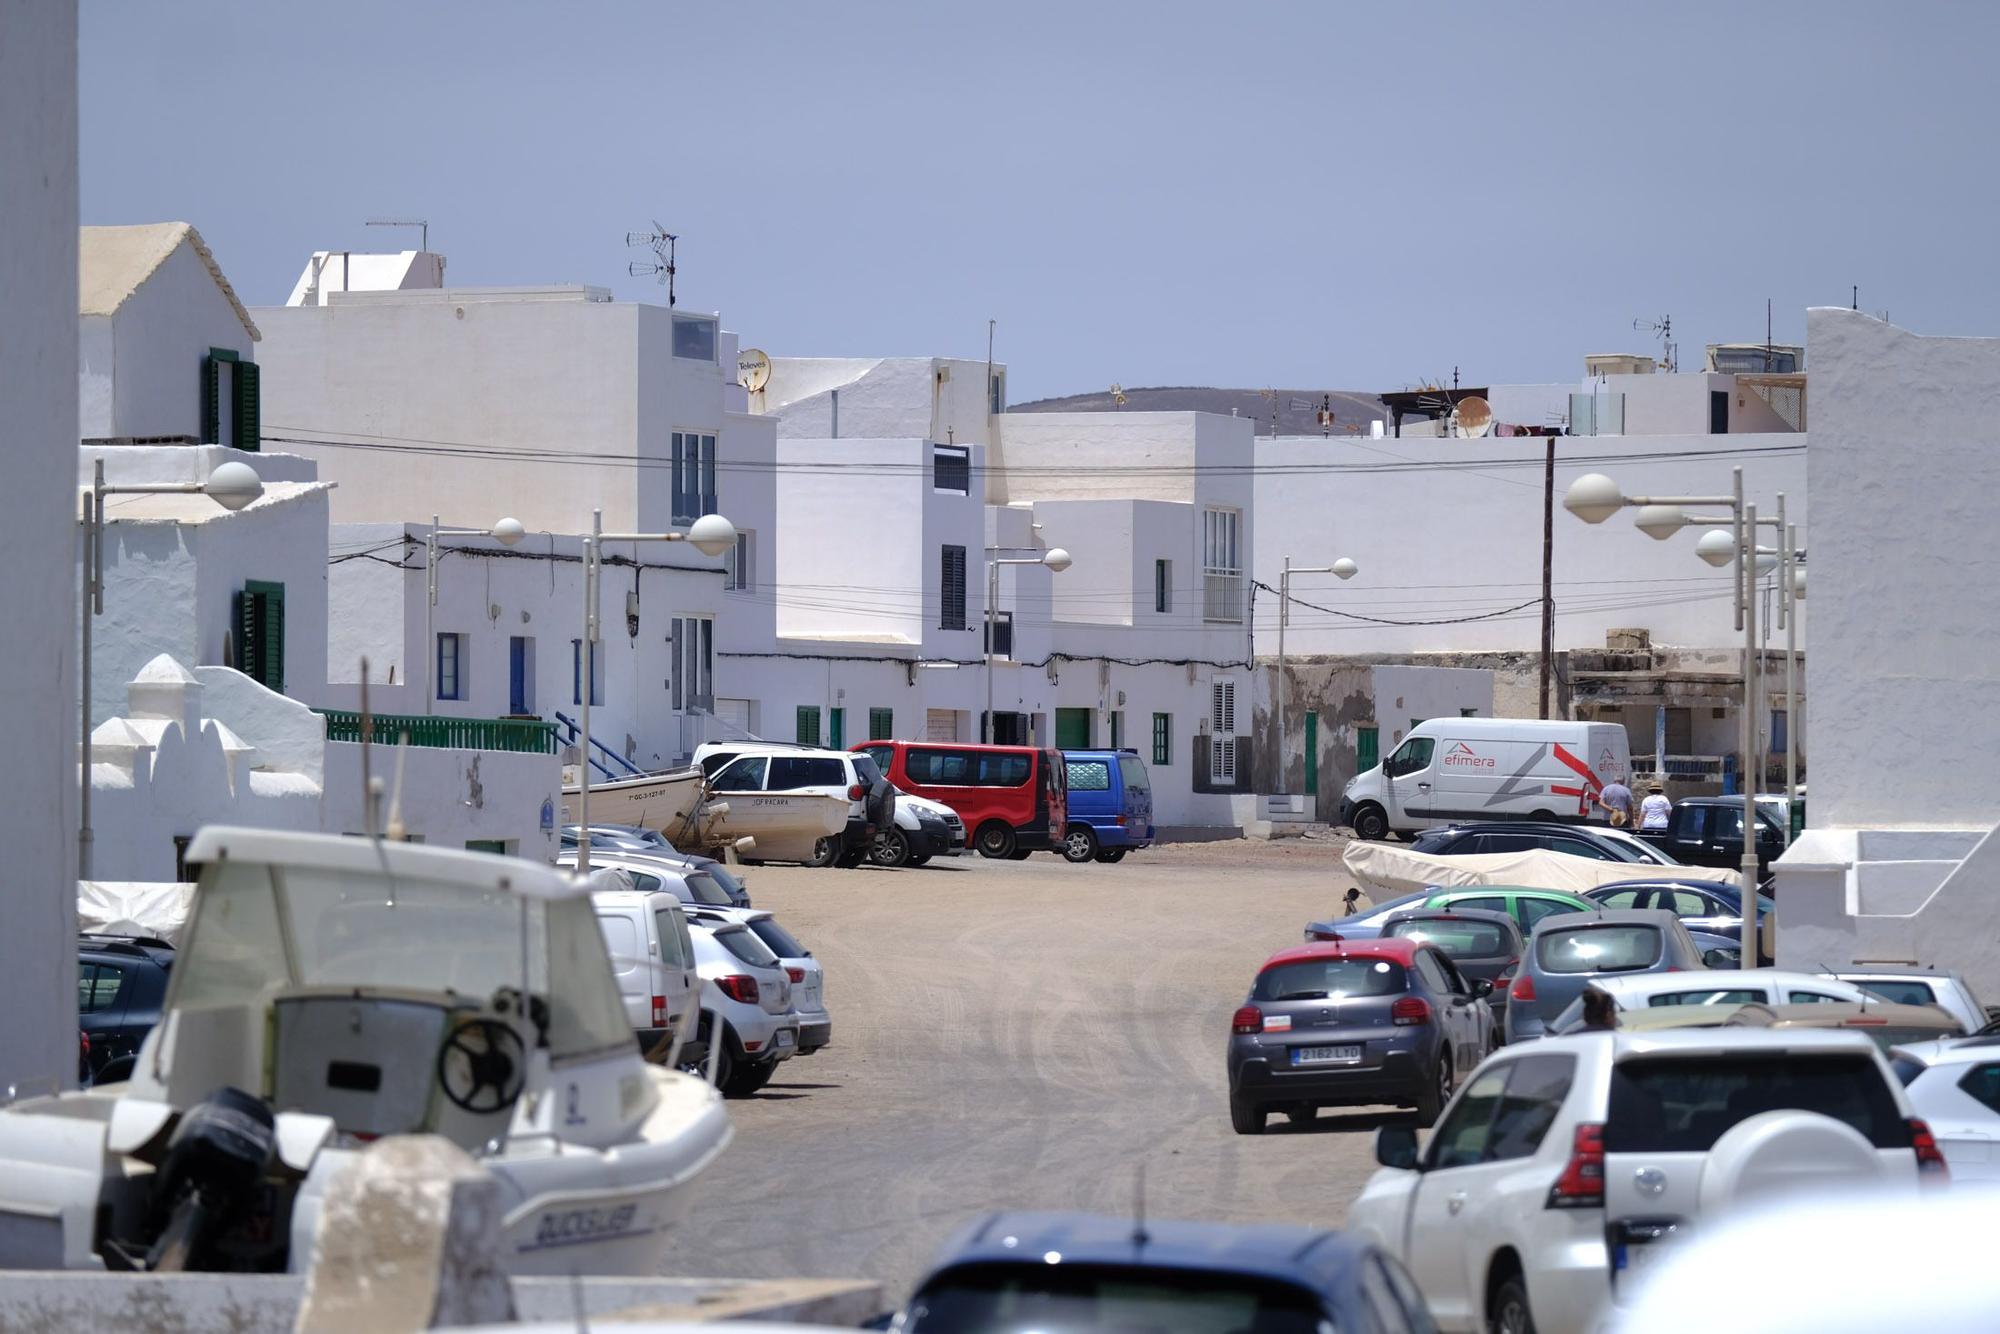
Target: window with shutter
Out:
[1222,714]
[1222,760]
[260,633]
[881,724]
[951,469]
[1163,738]
[245,422]
[808,731]
[951,589]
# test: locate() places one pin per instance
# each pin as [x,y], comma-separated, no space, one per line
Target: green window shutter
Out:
[260,633]
[808,732]
[245,619]
[1163,738]
[881,724]
[1367,749]
[211,399]
[245,420]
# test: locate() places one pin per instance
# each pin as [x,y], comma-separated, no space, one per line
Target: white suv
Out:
[764,766]
[1563,1164]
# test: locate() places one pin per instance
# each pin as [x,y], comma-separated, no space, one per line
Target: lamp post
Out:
[506,532]
[711,535]
[233,485]
[1594,498]
[1057,560]
[1343,568]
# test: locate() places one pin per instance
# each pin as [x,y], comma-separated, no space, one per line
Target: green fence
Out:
[532,738]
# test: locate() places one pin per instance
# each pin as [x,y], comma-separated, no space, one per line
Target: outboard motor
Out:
[215,1161]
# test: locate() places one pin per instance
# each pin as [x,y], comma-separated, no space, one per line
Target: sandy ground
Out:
[1014,1035]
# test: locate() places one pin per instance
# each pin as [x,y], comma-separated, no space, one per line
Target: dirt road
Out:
[1020,1035]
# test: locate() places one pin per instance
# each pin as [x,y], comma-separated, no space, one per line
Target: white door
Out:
[940,725]
[1456,1174]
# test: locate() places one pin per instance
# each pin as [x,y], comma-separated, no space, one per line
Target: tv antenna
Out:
[661,242]
[422,225]
[1664,327]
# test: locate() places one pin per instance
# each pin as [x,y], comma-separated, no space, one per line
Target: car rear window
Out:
[1136,777]
[1707,996]
[1322,979]
[1016,1298]
[780,940]
[1598,949]
[745,946]
[704,889]
[1910,992]
[1685,1104]
[1460,938]
[866,771]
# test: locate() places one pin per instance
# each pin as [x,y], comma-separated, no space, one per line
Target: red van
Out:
[1011,798]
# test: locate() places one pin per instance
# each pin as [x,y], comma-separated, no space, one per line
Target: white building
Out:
[1900,862]
[38,598]
[946,399]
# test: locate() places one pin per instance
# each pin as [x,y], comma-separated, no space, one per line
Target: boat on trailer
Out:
[331,991]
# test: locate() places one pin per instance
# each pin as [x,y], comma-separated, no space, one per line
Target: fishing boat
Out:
[330,991]
[662,800]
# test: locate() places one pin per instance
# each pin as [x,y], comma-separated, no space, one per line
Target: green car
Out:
[1525,905]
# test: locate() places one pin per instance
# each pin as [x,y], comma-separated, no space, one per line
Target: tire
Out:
[1079,843]
[1112,856]
[850,858]
[1246,1117]
[725,1065]
[1431,1101]
[116,1069]
[1018,855]
[918,859]
[745,1080]
[892,848]
[824,852]
[1546,817]
[1371,823]
[995,839]
[1509,1312]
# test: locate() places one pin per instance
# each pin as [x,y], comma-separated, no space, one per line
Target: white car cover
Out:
[1384,870]
[134,908]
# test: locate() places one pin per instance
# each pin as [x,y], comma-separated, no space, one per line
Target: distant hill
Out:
[1297,410]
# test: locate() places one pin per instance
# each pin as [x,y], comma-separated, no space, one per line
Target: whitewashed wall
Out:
[157,341]
[880,398]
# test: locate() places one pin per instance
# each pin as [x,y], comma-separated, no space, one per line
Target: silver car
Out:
[807,977]
[747,992]
[1568,951]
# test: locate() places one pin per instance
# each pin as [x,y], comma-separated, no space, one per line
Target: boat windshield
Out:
[260,930]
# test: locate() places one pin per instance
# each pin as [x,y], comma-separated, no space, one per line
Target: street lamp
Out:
[1787,559]
[711,535]
[506,532]
[1056,560]
[1342,568]
[233,485]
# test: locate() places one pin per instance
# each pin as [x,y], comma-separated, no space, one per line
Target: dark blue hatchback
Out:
[1110,805]
[1012,1273]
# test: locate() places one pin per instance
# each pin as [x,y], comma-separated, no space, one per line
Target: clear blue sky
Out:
[1307,195]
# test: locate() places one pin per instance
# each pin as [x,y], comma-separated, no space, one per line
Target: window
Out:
[1367,749]
[739,564]
[1599,949]
[996,393]
[694,338]
[1982,1084]
[1163,586]
[1534,909]
[1222,729]
[596,673]
[1089,775]
[260,633]
[1668,1105]
[940,767]
[1780,731]
[1221,566]
[693,472]
[1413,756]
[951,469]
[746,947]
[1811,998]
[1536,1087]
[227,379]
[778,940]
[1002,645]
[496,846]
[1901,992]
[97,986]
[1117,729]
[520,675]
[1462,1137]
[672,929]
[1434,976]
[789,773]
[691,651]
[1468,713]
[746,775]
[808,727]
[951,589]
[881,726]
[1576,847]
[1706,996]
[1624,898]
[1328,978]
[450,664]
[1718,412]
[1462,938]
[1163,738]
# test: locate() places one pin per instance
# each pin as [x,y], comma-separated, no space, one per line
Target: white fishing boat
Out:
[765,826]
[660,801]
[330,991]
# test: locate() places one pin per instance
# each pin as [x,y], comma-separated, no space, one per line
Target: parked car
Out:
[121,983]
[1012,798]
[761,766]
[1704,906]
[1484,946]
[1954,1084]
[1525,905]
[1110,805]
[1886,1023]
[1485,769]
[920,830]
[1949,991]
[1715,988]
[1564,1166]
[695,886]
[807,976]
[1708,831]
[1351,1024]
[652,957]
[1012,1273]
[746,990]
[1566,953]
[652,843]
[1597,842]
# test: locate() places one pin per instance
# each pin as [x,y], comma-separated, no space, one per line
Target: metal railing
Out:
[571,733]
[521,736]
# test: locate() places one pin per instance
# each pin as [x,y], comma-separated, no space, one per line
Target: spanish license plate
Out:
[1326,1055]
[785,1038]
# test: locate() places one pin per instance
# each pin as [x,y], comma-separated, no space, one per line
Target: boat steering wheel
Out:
[481,1066]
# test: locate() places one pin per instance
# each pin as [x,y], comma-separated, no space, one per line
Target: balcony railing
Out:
[528,737]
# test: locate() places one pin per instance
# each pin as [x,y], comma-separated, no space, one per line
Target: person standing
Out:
[1655,812]
[1616,799]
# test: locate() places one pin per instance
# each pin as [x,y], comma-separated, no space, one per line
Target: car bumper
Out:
[1123,835]
[1399,1078]
[655,1043]
[935,839]
[1347,809]
[1569,1279]
[814,1034]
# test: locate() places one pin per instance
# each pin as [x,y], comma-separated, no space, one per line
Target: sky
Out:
[1308,196]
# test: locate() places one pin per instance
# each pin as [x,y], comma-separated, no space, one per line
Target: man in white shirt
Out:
[1655,811]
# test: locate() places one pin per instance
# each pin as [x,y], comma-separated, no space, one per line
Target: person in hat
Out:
[1655,812]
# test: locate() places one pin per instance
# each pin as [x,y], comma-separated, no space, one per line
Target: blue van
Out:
[1110,805]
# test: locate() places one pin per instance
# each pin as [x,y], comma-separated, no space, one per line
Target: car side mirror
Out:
[1719,958]
[1482,988]
[1396,1146]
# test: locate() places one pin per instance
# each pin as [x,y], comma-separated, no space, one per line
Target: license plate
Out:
[785,1037]
[1325,1055]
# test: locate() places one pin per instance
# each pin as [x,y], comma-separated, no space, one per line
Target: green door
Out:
[1312,754]
[1073,729]
[836,729]
[1367,749]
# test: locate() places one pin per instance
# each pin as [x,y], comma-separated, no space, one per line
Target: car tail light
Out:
[1410,1010]
[1523,988]
[1249,1019]
[659,1012]
[1581,1185]
[1317,933]
[738,988]
[796,974]
[1931,1169]
[856,792]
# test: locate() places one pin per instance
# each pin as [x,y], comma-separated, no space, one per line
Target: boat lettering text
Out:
[576,1224]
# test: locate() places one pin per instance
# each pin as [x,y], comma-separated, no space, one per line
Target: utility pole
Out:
[1548,573]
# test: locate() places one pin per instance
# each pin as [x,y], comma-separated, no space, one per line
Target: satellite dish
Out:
[1474,417]
[753,369]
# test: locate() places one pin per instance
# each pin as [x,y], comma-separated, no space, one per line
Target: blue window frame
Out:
[450,663]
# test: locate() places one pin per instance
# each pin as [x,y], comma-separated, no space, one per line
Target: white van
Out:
[1457,769]
[653,958]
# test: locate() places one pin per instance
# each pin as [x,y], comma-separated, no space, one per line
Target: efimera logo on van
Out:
[1463,756]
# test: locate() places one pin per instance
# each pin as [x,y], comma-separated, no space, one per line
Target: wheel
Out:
[116,1069]
[1112,855]
[824,851]
[1371,822]
[1510,1313]
[1247,1117]
[892,848]
[1430,1103]
[850,858]
[725,1065]
[747,1079]
[994,839]
[1546,817]
[1079,843]
[1018,855]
